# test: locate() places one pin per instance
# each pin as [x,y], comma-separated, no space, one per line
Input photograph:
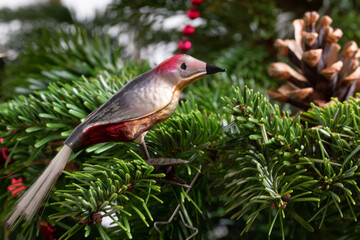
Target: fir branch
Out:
[120,191]
[47,11]
[281,161]
[34,126]
[186,134]
[63,56]
[62,106]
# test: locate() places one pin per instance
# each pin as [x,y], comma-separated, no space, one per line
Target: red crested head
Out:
[170,64]
[182,69]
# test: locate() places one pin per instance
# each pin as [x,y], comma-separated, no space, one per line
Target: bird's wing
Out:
[132,104]
[140,97]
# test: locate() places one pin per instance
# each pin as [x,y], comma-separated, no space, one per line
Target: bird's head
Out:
[181,70]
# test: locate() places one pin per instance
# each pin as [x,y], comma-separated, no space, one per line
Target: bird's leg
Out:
[164,165]
[158,223]
[155,161]
[171,177]
[144,151]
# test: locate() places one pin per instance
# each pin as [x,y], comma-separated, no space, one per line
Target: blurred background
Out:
[239,35]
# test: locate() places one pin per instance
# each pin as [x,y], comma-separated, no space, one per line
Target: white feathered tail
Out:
[30,202]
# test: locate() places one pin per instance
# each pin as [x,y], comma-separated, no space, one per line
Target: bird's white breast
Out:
[151,99]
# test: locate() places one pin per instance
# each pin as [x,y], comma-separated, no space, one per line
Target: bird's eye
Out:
[183,66]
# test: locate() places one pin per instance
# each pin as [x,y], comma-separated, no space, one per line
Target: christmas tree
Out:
[256,168]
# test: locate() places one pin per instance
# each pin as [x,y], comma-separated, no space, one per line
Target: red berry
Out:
[16,186]
[184,45]
[47,230]
[197,2]
[188,30]
[193,13]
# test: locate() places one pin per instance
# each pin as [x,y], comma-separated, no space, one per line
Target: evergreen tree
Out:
[255,170]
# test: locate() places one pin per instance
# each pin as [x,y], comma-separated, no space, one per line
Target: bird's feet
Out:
[165,161]
[167,166]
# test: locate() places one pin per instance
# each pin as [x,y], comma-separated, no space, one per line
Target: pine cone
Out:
[318,71]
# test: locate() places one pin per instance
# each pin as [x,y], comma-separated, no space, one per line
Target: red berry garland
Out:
[184,45]
[188,30]
[193,13]
[47,230]
[196,2]
[16,186]
[4,154]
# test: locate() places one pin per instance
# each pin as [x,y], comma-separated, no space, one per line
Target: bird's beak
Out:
[195,70]
[210,69]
